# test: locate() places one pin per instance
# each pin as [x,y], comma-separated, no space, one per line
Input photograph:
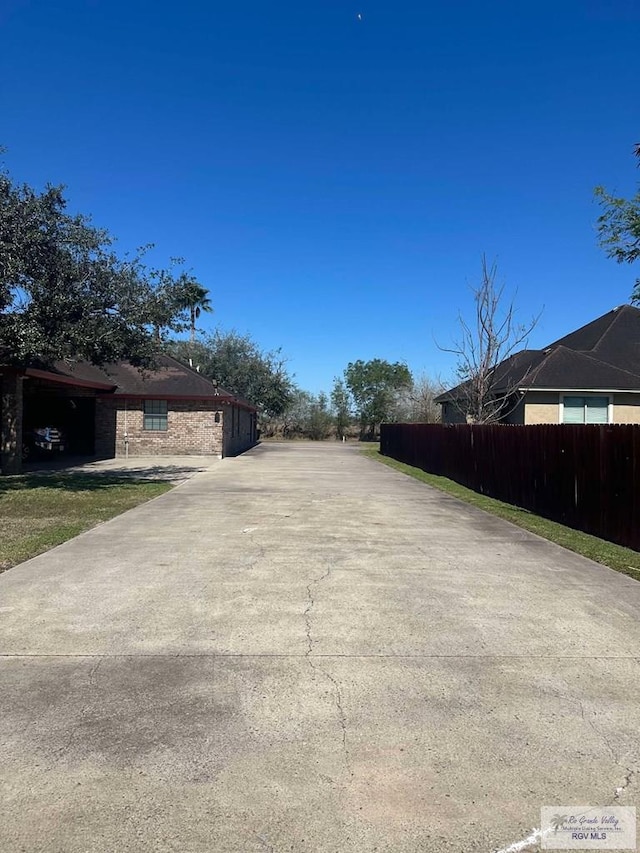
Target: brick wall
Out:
[239,430]
[106,416]
[191,429]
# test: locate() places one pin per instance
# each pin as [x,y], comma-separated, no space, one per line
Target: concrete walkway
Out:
[302,650]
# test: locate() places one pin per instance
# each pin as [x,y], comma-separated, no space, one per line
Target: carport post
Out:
[11,421]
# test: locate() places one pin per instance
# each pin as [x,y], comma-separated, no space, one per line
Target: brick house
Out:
[119,410]
[591,375]
[170,410]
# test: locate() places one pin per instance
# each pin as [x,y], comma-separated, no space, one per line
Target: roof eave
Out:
[61,379]
[159,395]
[582,390]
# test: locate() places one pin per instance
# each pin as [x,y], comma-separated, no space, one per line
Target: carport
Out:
[51,399]
[69,404]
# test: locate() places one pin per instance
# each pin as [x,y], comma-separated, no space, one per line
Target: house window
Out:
[155,415]
[585,410]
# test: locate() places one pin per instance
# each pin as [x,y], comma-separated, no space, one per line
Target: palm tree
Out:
[194,299]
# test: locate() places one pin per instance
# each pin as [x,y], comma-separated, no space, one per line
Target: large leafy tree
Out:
[619,227]
[238,363]
[66,295]
[374,386]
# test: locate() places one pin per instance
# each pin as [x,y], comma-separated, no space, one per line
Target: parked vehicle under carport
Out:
[39,442]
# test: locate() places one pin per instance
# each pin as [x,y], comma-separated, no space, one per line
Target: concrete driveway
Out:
[173,469]
[302,650]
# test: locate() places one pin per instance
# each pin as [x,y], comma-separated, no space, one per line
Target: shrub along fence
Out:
[582,476]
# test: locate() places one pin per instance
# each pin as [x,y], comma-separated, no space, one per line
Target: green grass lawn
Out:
[38,511]
[615,556]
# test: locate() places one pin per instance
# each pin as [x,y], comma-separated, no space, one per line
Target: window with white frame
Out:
[585,410]
[155,415]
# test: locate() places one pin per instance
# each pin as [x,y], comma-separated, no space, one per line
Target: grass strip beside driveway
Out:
[39,511]
[615,556]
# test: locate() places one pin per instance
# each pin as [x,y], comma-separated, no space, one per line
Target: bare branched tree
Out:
[487,352]
[417,404]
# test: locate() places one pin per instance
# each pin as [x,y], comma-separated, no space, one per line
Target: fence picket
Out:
[582,476]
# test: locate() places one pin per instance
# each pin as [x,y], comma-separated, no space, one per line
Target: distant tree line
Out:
[366,395]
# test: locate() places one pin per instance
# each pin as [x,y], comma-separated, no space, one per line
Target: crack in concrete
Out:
[72,734]
[310,604]
[298,509]
[83,710]
[260,552]
[535,838]
[342,718]
[93,672]
[628,779]
[538,834]
[597,731]
[627,783]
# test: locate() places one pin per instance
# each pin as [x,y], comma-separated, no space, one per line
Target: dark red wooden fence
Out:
[582,476]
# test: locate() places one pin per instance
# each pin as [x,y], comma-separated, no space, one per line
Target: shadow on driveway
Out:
[65,469]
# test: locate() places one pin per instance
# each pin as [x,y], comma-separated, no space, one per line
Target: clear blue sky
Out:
[333,181]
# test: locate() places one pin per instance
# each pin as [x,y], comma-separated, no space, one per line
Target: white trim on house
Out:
[586,394]
[588,391]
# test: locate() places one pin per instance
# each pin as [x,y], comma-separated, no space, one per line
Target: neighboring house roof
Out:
[603,355]
[613,338]
[168,379]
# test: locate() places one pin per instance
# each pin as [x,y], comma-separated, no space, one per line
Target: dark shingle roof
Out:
[81,373]
[168,379]
[618,341]
[603,355]
[566,368]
